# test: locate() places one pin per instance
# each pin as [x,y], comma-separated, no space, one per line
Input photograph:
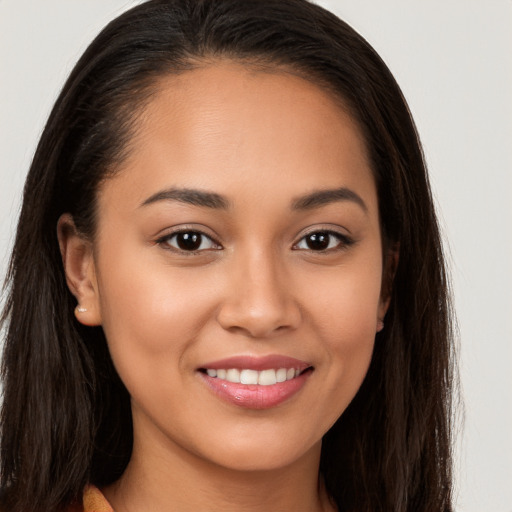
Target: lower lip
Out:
[254,396]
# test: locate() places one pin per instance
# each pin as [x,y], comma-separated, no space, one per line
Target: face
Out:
[237,266]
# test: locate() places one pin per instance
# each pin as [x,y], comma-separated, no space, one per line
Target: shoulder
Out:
[94,501]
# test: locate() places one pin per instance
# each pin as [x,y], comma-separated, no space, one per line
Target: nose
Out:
[259,302]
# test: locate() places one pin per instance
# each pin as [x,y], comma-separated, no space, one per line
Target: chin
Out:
[259,457]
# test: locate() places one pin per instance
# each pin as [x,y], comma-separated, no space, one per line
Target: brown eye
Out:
[318,241]
[190,241]
[322,241]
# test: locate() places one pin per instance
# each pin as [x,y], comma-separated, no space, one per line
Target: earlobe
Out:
[78,262]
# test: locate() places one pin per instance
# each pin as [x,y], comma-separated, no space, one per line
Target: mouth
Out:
[247,376]
[256,383]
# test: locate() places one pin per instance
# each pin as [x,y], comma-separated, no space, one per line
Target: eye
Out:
[189,241]
[323,241]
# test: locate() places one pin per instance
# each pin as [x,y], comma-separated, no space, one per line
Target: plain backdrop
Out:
[453,61]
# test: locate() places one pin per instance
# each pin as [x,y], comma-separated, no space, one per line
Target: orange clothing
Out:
[94,501]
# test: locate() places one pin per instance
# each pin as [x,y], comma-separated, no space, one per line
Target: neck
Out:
[169,478]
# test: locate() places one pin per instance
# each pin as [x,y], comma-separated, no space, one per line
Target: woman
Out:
[227,288]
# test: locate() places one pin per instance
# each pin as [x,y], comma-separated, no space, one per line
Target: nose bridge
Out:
[259,300]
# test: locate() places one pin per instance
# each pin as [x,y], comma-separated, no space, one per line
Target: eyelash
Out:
[167,238]
[343,241]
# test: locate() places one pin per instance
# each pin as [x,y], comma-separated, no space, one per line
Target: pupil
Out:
[318,241]
[189,241]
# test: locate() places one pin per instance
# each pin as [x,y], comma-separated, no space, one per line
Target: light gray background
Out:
[453,61]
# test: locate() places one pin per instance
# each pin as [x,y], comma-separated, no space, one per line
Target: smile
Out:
[256,382]
[247,376]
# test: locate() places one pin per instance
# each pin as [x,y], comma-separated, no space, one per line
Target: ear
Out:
[78,260]
[388,276]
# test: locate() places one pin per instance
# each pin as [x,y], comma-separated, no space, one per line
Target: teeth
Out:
[281,375]
[233,375]
[248,377]
[267,377]
[263,378]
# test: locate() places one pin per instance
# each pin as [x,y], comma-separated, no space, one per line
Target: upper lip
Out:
[258,363]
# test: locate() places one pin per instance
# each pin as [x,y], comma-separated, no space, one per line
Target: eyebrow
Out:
[190,196]
[320,198]
[213,200]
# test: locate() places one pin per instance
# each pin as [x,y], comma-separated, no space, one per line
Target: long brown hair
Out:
[66,417]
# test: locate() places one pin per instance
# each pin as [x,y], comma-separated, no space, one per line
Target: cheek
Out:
[346,302]
[344,316]
[152,317]
[151,312]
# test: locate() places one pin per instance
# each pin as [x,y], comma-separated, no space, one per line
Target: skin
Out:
[261,140]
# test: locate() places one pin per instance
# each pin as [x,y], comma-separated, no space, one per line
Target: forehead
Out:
[244,93]
[223,124]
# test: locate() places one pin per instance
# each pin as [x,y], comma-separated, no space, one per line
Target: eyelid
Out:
[171,232]
[345,239]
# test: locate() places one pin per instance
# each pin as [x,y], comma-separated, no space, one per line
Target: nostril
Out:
[263,320]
